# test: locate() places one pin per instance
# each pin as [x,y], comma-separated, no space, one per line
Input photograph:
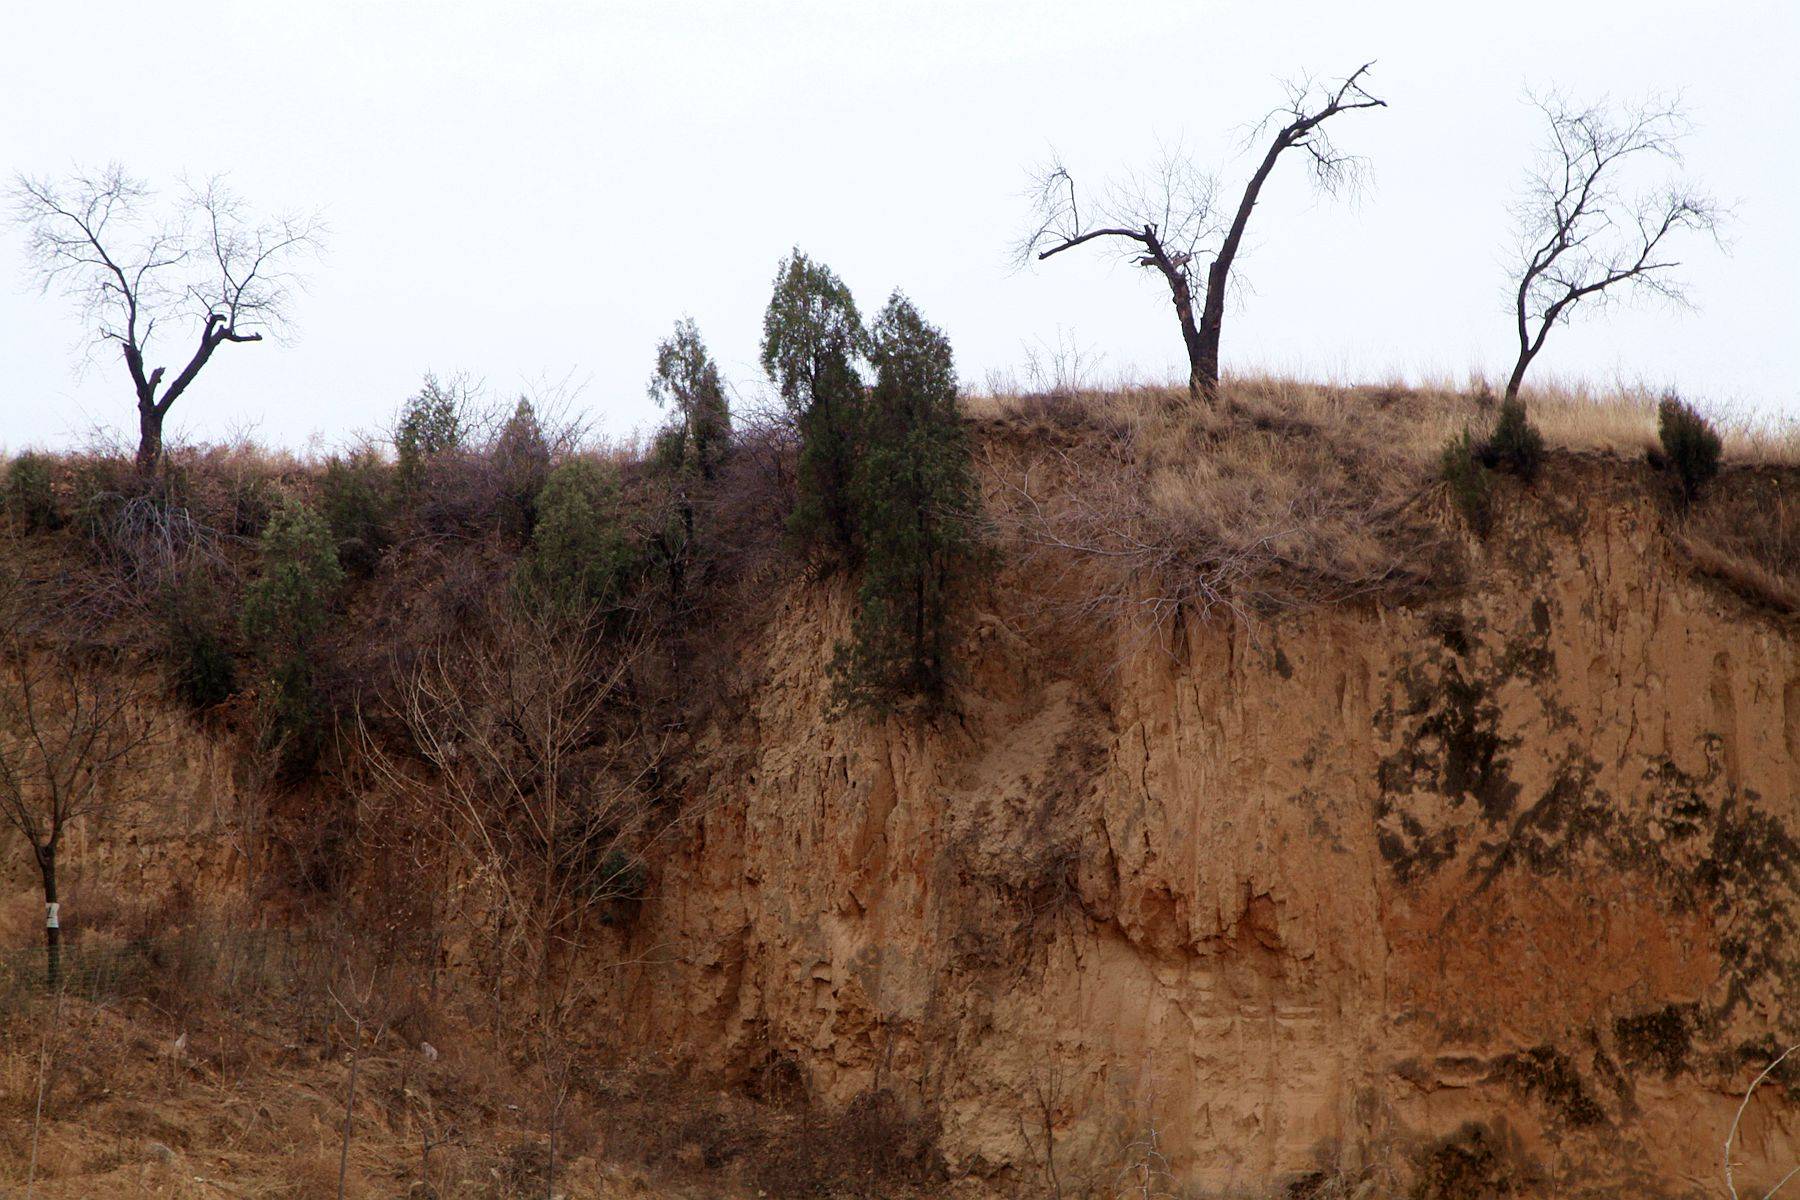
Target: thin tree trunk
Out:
[349,1108]
[52,920]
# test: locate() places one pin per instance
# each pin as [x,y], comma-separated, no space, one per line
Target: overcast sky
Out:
[534,192]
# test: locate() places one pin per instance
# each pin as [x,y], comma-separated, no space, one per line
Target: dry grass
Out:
[1573,415]
[1142,504]
[1136,502]
[1745,533]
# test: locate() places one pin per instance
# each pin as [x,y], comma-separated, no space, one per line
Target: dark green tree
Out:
[522,465]
[812,341]
[356,501]
[580,555]
[1691,447]
[286,612]
[687,383]
[430,424]
[913,493]
[691,447]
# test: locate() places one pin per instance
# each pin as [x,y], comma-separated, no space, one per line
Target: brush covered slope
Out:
[1278,836]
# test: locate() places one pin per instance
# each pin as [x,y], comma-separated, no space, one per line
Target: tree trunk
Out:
[1203,379]
[1212,321]
[1517,378]
[349,1109]
[52,923]
[150,439]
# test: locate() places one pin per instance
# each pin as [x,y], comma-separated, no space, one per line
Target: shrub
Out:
[812,340]
[286,611]
[689,452]
[204,672]
[1515,445]
[580,555]
[913,494]
[431,423]
[1690,445]
[521,464]
[687,382]
[355,500]
[1470,487]
[29,494]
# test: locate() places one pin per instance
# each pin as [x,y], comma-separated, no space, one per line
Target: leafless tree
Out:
[1171,221]
[66,722]
[205,267]
[1584,234]
[363,999]
[528,731]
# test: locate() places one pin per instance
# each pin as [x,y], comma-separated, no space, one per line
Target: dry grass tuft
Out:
[1745,533]
[1137,503]
[1145,505]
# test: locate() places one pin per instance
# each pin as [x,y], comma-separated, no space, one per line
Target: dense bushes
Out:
[580,555]
[357,503]
[1515,445]
[521,466]
[912,494]
[431,424]
[1691,448]
[286,611]
[1470,488]
[204,673]
[812,341]
[30,497]
[688,453]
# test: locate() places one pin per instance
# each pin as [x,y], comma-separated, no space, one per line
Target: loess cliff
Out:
[1476,875]
[1491,894]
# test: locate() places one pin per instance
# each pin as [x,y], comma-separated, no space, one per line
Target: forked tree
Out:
[66,724]
[204,268]
[1585,234]
[1170,221]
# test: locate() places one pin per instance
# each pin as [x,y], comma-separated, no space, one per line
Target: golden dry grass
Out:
[1289,494]
[1573,415]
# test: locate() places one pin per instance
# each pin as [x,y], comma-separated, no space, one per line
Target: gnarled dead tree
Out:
[1583,235]
[204,267]
[1170,221]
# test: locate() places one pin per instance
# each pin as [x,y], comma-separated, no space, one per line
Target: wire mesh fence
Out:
[191,961]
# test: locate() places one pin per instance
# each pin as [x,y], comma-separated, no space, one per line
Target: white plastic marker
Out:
[50,914]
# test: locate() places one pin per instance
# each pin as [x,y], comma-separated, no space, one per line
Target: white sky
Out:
[534,191]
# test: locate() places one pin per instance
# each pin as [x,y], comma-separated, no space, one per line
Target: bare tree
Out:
[528,730]
[65,723]
[205,267]
[1171,221]
[1582,235]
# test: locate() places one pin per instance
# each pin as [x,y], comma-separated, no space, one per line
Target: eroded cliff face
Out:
[1501,887]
